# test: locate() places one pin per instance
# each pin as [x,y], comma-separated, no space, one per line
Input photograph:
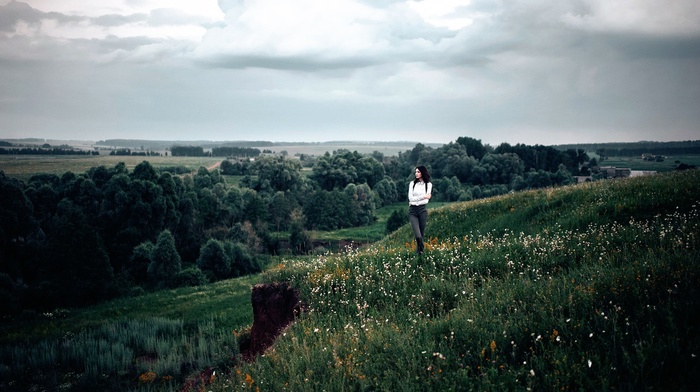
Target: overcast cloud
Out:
[528,71]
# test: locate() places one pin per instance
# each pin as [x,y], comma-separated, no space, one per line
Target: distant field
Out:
[635,163]
[25,166]
[387,149]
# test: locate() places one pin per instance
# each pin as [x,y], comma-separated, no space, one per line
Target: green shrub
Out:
[190,277]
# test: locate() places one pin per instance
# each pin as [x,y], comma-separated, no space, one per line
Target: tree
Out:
[280,210]
[77,267]
[332,172]
[242,262]
[363,203]
[473,147]
[329,210]
[254,207]
[500,168]
[15,211]
[213,258]
[166,261]
[144,171]
[344,167]
[140,259]
[386,190]
[299,240]
[277,174]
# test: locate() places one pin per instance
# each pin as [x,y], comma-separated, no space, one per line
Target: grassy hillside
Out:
[149,342]
[591,287]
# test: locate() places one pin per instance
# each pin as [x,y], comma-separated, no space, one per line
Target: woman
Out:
[419,193]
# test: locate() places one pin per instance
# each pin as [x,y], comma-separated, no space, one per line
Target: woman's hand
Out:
[427,196]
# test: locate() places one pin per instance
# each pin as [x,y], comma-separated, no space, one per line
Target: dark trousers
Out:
[418,216]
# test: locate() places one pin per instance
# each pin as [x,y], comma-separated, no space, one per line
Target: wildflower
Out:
[590,363]
[249,380]
[147,377]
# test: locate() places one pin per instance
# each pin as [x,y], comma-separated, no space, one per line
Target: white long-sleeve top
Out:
[416,194]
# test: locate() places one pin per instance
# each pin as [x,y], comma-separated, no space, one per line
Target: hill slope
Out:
[591,287]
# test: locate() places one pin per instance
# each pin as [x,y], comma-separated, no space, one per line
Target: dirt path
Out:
[214,166]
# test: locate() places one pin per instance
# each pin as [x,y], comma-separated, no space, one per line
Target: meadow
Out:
[588,287]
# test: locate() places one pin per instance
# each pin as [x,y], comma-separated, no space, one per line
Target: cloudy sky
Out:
[527,71]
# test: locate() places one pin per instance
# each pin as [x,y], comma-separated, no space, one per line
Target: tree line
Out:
[220,151]
[45,151]
[75,239]
[632,149]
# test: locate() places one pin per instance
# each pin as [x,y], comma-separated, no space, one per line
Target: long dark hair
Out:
[424,175]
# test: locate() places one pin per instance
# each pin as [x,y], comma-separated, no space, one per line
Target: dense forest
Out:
[80,238]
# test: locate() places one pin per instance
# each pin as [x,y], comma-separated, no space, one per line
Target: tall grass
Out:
[151,342]
[113,356]
[592,287]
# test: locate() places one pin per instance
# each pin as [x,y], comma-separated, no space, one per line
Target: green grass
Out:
[589,287]
[371,233]
[228,301]
[122,344]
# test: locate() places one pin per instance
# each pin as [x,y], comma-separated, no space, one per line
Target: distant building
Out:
[615,172]
[652,157]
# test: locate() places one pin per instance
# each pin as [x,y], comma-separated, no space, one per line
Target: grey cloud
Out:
[637,46]
[15,11]
[113,20]
[287,63]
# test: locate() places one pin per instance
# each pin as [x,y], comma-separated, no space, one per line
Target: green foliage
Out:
[189,277]
[344,167]
[299,239]
[225,259]
[386,191]
[213,258]
[557,289]
[76,267]
[276,174]
[396,220]
[362,202]
[187,151]
[165,260]
[328,210]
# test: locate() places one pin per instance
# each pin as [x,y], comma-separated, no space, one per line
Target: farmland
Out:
[25,166]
